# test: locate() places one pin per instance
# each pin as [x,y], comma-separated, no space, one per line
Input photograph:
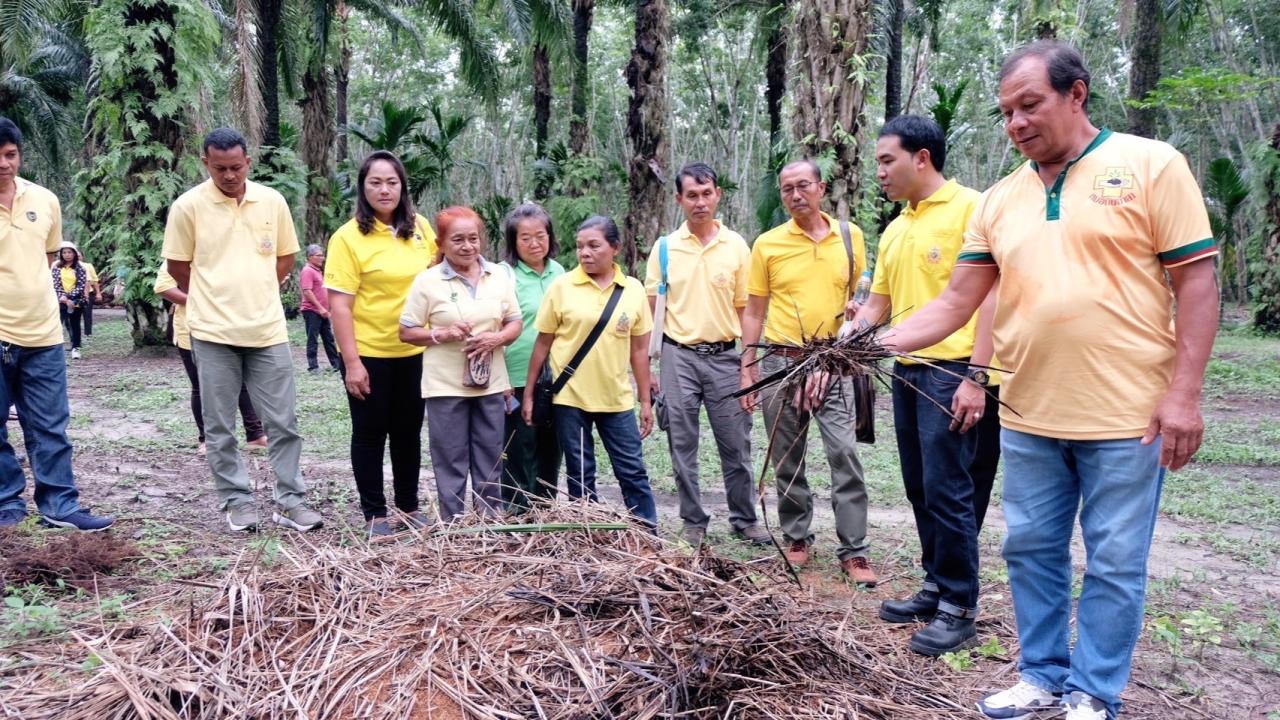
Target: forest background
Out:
[591,107]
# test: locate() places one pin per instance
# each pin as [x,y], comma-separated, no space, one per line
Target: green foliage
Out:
[958,661]
[493,210]
[1197,89]
[944,110]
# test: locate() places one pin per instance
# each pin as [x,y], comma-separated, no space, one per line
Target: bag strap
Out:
[848,250]
[578,357]
[662,263]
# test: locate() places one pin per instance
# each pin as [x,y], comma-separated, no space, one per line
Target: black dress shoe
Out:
[945,633]
[917,608]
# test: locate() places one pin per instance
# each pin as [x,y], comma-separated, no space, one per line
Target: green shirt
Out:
[530,287]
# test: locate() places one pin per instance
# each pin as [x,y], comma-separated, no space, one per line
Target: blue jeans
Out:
[621,438]
[1045,481]
[35,380]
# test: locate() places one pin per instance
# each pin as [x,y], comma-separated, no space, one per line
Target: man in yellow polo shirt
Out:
[705,280]
[1082,237]
[801,275]
[229,244]
[33,371]
[916,255]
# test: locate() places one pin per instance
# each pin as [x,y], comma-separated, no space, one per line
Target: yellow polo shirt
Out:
[378,270]
[181,335]
[572,306]
[706,286]
[29,231]
[234,294]
[807,282]
[1085,315]
[438,298]
[91,275]
[917,252]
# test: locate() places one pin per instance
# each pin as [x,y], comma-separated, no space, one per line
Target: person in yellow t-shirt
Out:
[229,243]
[1094,239]
[597,392]
[705,287]
[801,276]
[464,311]
[70,282]
[93,293]
[938,454]
[371,263]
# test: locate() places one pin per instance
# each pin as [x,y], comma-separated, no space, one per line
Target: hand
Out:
[456,332]
[655,384]
[750,376]
[324,314]
[358,381]
[526,406]
[967,406]
[67,301]
[810,396]
[851,309]
[506,399]
[1178,422]
[486,342]
[646,420]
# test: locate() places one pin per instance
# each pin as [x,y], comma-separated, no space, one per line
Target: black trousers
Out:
[318,328]
[392,411]
[88,316]
[71,320]
[252,425]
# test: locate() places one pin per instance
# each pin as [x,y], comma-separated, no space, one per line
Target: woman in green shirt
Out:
[532,464]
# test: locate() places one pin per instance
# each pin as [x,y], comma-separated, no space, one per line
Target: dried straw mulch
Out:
[569,624]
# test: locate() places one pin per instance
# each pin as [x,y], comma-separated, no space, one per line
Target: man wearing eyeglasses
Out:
[801,274]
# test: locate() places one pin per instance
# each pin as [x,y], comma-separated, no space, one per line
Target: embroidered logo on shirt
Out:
[31,215]
[1114,187]
[624,324]
[935,256]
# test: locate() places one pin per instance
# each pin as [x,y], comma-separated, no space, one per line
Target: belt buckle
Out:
[704,349]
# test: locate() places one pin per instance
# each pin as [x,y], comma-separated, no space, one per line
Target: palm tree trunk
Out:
[893,61]
[1267,314]
[827,39]
[342,78]
[775,72]
[317,141]
[1145,60]
[583,13]
[541,111]
[269,45]
[647,128]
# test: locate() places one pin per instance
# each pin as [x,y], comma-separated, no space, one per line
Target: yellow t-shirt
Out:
[571,308]
[807,282]
[234,294]
[378,270]
[1085,315]
[438,298]
[706,286]
[917,252]
[181,335]
[29,231]
[68,277]
[90,274]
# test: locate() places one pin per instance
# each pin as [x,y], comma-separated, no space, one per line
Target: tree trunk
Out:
[342,78]
[828,38]
[1145,64]
[269,45]
[893,61]
[317,141]
[775,72]
[541,111]
[1267,301]
[647,129]
[579,127]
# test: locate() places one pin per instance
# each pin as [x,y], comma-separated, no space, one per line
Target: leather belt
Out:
[705,348]
[787,352]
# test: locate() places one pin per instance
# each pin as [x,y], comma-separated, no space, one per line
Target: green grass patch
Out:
[1249,442]
[1244,363]
[1220,496]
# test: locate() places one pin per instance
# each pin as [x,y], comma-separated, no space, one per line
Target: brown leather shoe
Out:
[797,553]
[859,571]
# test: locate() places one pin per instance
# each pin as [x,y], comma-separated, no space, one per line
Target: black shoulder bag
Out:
[545,389]
[864,392]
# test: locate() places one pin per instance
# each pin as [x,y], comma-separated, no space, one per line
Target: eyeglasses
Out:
[803,186]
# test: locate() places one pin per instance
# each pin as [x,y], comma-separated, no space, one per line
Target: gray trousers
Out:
[465,435]
[689,381]
[268,374]
[789,429]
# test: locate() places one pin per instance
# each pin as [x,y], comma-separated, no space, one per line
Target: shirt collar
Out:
[580,276]
[448,273]
[252,192]
[522,268]
[944,194]
[20,187]
[684,232]
[833,228]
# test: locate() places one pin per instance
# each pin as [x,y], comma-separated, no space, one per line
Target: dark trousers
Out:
[620,435]
[88,316]
[71,321]
[465,435]
[936,465]
[531,463]
[318,328]
[392,411]
[252,425]
[986,457]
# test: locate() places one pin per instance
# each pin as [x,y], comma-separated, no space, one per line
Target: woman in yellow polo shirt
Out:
[372,261]
[70,282]
[464,311]
[598,391]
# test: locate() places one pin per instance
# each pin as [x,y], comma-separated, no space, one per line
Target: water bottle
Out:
[862,291]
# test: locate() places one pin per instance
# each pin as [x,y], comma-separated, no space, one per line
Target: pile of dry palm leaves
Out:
[572,621]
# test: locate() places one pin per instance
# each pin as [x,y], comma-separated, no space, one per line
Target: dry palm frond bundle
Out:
[574,624]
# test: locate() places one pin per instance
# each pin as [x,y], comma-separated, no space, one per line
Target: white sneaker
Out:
[1018,701]
[1081,706]
[75,353]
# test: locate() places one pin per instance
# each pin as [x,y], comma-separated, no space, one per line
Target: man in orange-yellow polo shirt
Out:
[1093,240]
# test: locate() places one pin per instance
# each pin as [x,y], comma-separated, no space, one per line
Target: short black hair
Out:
[606,225]
[916,133]
[528,211]
[1064,63]
[698,172]
[223,139]
[10,134]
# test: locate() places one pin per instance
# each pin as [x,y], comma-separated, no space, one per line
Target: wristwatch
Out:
[978,376]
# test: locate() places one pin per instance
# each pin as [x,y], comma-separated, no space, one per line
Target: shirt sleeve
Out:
[429,239]
[859,253]
[417,306]
[743,275]
[179,235]
[54,239]
[644,320]
[287,235]
[164,281]
[1179,220]
[758,277]
[976,250]
[90,272]
[548,318]
[341,269]
[653,270]
[511,303]
[880,275]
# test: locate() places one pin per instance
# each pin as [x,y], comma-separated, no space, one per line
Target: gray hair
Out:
[314,250]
